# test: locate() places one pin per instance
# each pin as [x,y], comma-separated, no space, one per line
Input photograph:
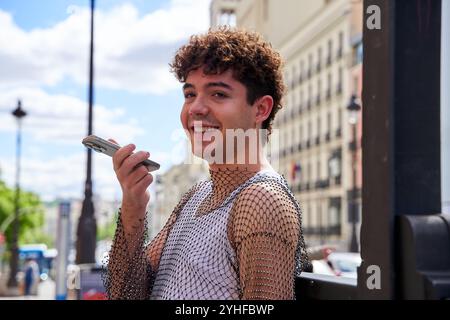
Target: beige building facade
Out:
[320,43]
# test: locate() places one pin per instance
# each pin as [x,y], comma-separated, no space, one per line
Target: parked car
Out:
[343,264]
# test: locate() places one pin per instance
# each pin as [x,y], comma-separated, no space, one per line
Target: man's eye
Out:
[220,95]
[189,95]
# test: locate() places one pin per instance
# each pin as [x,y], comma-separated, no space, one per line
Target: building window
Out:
[309,96]
[341,44]
[328,125]
[227,17]
[328,95]
[334,164]
[319,125]
[330,52]
[339,85]
[319,90]
[319,173]
[334,215]
[319,59]
[294,77]
[302,71]
[310,65]
[300,102]
[308,172]
[357,53]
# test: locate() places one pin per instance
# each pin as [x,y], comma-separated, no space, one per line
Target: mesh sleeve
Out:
[265,230]
[127,273]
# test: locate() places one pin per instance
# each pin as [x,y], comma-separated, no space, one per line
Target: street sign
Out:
[63,243]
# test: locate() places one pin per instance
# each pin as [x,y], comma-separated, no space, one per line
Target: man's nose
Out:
[198,107]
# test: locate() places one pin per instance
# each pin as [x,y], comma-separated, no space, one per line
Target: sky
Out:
[44,62]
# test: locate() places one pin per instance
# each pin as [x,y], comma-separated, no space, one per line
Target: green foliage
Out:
[31,216]
[107,231]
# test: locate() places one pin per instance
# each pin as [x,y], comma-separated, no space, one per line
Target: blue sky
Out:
[44,62]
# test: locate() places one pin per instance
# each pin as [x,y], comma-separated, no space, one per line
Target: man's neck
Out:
[227,177]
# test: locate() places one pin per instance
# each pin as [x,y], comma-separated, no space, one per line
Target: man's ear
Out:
[264,107]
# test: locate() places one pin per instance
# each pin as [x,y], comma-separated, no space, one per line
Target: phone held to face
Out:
[103,146]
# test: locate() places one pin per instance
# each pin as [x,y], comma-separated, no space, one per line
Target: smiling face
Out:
[218,102]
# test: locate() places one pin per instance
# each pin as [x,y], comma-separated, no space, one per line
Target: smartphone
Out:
[103,146]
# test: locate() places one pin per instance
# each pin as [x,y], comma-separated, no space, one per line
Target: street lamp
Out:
[353,109]
[18,113]
[87,225]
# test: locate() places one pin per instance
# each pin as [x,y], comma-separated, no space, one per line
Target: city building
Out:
[321,43]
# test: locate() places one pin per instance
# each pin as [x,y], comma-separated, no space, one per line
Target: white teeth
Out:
[204,129]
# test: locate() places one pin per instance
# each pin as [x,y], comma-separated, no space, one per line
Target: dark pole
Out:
[354,108]
[87,225]
[14,262]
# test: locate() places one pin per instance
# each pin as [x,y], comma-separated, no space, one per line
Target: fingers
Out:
[135,176]
[144,183]
[121,155]
[130,163]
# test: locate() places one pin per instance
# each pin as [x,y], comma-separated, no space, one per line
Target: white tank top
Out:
[198,261]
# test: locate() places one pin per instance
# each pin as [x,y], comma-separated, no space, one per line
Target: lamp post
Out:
[353,109]
[87,225]
[18,113]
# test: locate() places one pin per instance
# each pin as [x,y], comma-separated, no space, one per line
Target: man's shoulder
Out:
[270,189]
[266,199]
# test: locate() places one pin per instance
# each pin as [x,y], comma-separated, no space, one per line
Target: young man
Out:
[237,236]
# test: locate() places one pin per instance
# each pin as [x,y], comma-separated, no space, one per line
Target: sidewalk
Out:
[46,291]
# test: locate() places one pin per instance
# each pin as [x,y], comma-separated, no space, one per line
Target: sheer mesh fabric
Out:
[237,236]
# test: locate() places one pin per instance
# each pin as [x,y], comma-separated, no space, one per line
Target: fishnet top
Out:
[237,236]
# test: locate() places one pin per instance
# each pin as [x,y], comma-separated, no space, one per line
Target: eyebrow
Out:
[209,85]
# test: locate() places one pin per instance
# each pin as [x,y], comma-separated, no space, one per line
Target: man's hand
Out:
[134,180]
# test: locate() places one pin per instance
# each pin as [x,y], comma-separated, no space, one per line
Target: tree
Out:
[106,232]
[31,216]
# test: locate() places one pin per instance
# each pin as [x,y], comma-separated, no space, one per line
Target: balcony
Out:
[333,230]
[308,144]
[352,146]
[322,184]
[337,180]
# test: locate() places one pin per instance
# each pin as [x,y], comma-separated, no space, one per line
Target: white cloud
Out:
[64,176]
[132,52]
[61,119]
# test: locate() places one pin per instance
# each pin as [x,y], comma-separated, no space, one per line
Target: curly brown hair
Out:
[252,60]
